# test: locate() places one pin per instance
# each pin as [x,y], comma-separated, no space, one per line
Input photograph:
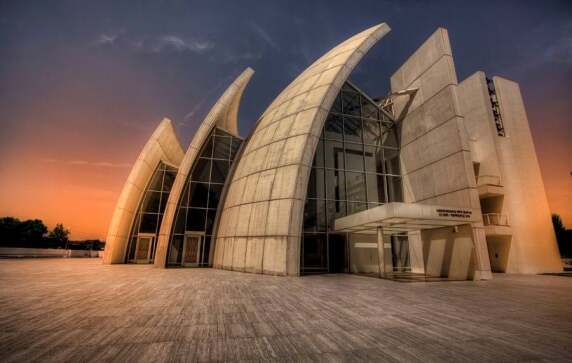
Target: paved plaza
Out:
[80,310]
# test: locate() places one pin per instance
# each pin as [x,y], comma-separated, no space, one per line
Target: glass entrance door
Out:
[144,248]
[192,250]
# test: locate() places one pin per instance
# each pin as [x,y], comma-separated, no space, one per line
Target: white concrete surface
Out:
[260,225]
[223,114]
[163,145]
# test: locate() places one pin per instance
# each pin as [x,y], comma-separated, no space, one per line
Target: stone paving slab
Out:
[80,310]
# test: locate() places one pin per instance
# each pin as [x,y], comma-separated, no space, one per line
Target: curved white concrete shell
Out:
[261,220]
[223,114]
[163,145]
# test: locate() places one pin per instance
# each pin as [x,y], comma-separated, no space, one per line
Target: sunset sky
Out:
[84,83]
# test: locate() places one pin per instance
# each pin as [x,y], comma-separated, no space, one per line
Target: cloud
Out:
[102,164]
[263,34]
[154,44]
[108,39]
[176,43]
[560,51]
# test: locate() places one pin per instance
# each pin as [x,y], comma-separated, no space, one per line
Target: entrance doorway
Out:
[499,248]
[193,250]
[144,248]
[400,253]
[337,253]
[324,253]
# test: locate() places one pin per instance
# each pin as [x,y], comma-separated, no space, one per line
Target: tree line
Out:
[33,233]
[563,236]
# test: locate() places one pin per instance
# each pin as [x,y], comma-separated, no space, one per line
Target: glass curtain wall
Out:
[200,199]
[356,167]
[150,212]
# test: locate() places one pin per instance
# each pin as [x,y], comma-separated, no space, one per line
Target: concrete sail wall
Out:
[436,158]
[260,224]
[476,106]
[533,248]
[163,145]
[223,114]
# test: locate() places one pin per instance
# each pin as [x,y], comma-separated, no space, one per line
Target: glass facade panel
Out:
[394,189]
[168,180]
[310,215]
[316,188]
[204,187]
[354,156]
[199,194]
[150,210]
[350,101]
[196,219]
[215,192]
[373,159]
[234,146]
[369,110]
[354,207]
[334,127]
[315,252]
[391,157]
[202,171]
[389,138]
[207,149]
[371,132]
[356,166]
[337,106]
[352,129]
[334,154]
[375,188]
[335,185]
[151,201]
[222,149]
[355,186]
[319,155]
[164,199]
[219,171]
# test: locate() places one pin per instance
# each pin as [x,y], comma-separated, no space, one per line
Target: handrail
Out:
[495,219]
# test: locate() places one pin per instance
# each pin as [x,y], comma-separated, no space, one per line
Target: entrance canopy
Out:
[396,218]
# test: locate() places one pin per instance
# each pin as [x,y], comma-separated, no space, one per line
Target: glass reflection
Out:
[355,167]
[197,212]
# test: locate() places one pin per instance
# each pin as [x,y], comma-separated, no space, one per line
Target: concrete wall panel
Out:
[533,247]
[224,115]
[299,111]
[163,145]
[435,155]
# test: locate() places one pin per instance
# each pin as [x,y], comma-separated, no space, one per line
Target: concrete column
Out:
[381,252]
[416,252]
[482,263]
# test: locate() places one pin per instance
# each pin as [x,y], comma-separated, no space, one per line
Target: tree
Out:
[563,236]
[9,231]
[15,233]
[33,230]
[59,233]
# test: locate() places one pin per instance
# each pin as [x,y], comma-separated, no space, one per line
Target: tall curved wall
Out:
[224,115]
[261,220]
[163,145]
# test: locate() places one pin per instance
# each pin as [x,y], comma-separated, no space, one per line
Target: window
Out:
[356,167]
[152,206]
[202,192]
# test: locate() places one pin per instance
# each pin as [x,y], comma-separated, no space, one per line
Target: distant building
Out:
[439,178]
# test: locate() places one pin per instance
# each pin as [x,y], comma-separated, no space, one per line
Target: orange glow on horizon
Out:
[82,195]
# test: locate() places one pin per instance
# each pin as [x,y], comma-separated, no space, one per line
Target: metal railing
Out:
[495,219]
[488,180]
